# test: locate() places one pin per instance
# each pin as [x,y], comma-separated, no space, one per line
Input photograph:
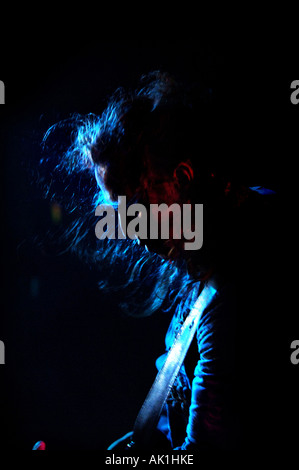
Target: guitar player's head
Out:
[152,146]
[160,143]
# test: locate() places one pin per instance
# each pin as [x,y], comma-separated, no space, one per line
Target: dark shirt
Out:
[218,399]
[198,410]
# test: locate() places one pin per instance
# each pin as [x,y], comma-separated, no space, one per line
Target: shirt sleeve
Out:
[211,415]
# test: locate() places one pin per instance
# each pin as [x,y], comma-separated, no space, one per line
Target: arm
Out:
[211,415]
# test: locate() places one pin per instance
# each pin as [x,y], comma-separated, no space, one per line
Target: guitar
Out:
[157,442]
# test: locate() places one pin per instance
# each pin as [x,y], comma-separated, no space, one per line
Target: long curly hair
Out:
[158,114]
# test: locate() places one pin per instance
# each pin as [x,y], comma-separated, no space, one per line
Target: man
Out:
[153,146]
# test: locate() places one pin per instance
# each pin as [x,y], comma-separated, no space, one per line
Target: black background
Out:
[76,370]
